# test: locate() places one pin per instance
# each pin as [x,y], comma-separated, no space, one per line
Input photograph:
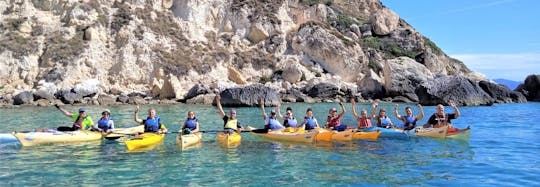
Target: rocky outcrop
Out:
[22,98]
[403,75]
[198,89]
[249,96]
[384,21]
[456,88]
[530,88]
[500,93]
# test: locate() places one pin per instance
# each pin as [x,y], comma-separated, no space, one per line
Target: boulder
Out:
[401,99]
[258,33]
[198,89]
[384,21]
[136,100]
[295,95]
[22,98]
[292,73]
[43,102]
[105,99]
[323,90]
[236,76]
[87,88]
[500,93]
[167,4]
[456,88]
[530,88]
[403,75]
[68,96]
[45,90]
[202,99]
[249,95]
[371,88]
[172,88]
[123,98]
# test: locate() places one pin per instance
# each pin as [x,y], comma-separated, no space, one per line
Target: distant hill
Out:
[510,83]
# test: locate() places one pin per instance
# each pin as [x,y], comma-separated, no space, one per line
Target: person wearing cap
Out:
[333,121]
[383,121]
[310,122]
[82,121]
[288,120]
[271,122]
[363,121]
[152,123]
[105,123]
[231,124]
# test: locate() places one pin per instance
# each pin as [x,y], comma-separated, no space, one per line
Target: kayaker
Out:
[310,122]
[288,120]
[333,121]
[383,121]
[230,123]
[440,118]
[105,123]
[191,125]
[409,120]
[82,121]
[363,121]
[152,123]
[271,122]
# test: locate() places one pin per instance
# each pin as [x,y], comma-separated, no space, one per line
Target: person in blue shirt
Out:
[105,123]
[191,125]
[271,121]
[152,123]
[288,120]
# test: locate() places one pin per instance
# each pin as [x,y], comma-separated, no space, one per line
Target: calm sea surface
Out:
[504,150]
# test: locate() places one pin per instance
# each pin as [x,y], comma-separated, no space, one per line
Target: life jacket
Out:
[333,121]
[152,125]
[231,124]
[310,123]
[364,123]
[191,123]
[290,122]
[384,121]
[410,121]
[273,124]
[442,120]
[103,123]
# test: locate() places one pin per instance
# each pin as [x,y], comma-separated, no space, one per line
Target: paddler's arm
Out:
[279,111]
[66,113]
[218,103]
[136,115]
[353,104]
[375,104]
[342,110]
[396,111]
[421,116]
[263,113]
[456,110]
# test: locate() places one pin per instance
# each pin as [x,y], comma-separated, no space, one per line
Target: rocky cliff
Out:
[139,51]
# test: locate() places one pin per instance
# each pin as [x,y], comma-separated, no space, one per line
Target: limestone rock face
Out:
[172,89]
[403,75]
[384,21]
[501,94]
[530,88]
[456,88]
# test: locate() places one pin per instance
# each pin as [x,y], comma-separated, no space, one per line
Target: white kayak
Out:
[35,138]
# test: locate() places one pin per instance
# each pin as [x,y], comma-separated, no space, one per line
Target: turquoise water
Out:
[503,151]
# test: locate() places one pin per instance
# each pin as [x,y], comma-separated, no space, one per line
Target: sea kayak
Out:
[306,137]
[389,133]
[227,139]
[439,132]
[120,132]
[360,135]
[53,136]
[327,135]
[144,140]
[460,134]
[187,140]
[7,138]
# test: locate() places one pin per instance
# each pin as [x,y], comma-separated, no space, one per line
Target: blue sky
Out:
[498,38]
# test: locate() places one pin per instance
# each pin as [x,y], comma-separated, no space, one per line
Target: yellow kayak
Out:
[439,132]
[374,135]
[187,140]
[330,135]
[228,139]
[461,134]
[306,137]
[144,140]
[35,138]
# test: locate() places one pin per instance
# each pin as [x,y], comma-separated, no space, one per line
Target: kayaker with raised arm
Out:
[231,124]
[363,121]
[310,122]
[383,121]
[333,121]
[105,123]
[82,121]
[288,120]
[270,122]
[191,125]
[409,120]
[440,118]
[152,123]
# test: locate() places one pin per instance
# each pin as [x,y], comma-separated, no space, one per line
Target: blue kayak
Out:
[7,138]
[391,133]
